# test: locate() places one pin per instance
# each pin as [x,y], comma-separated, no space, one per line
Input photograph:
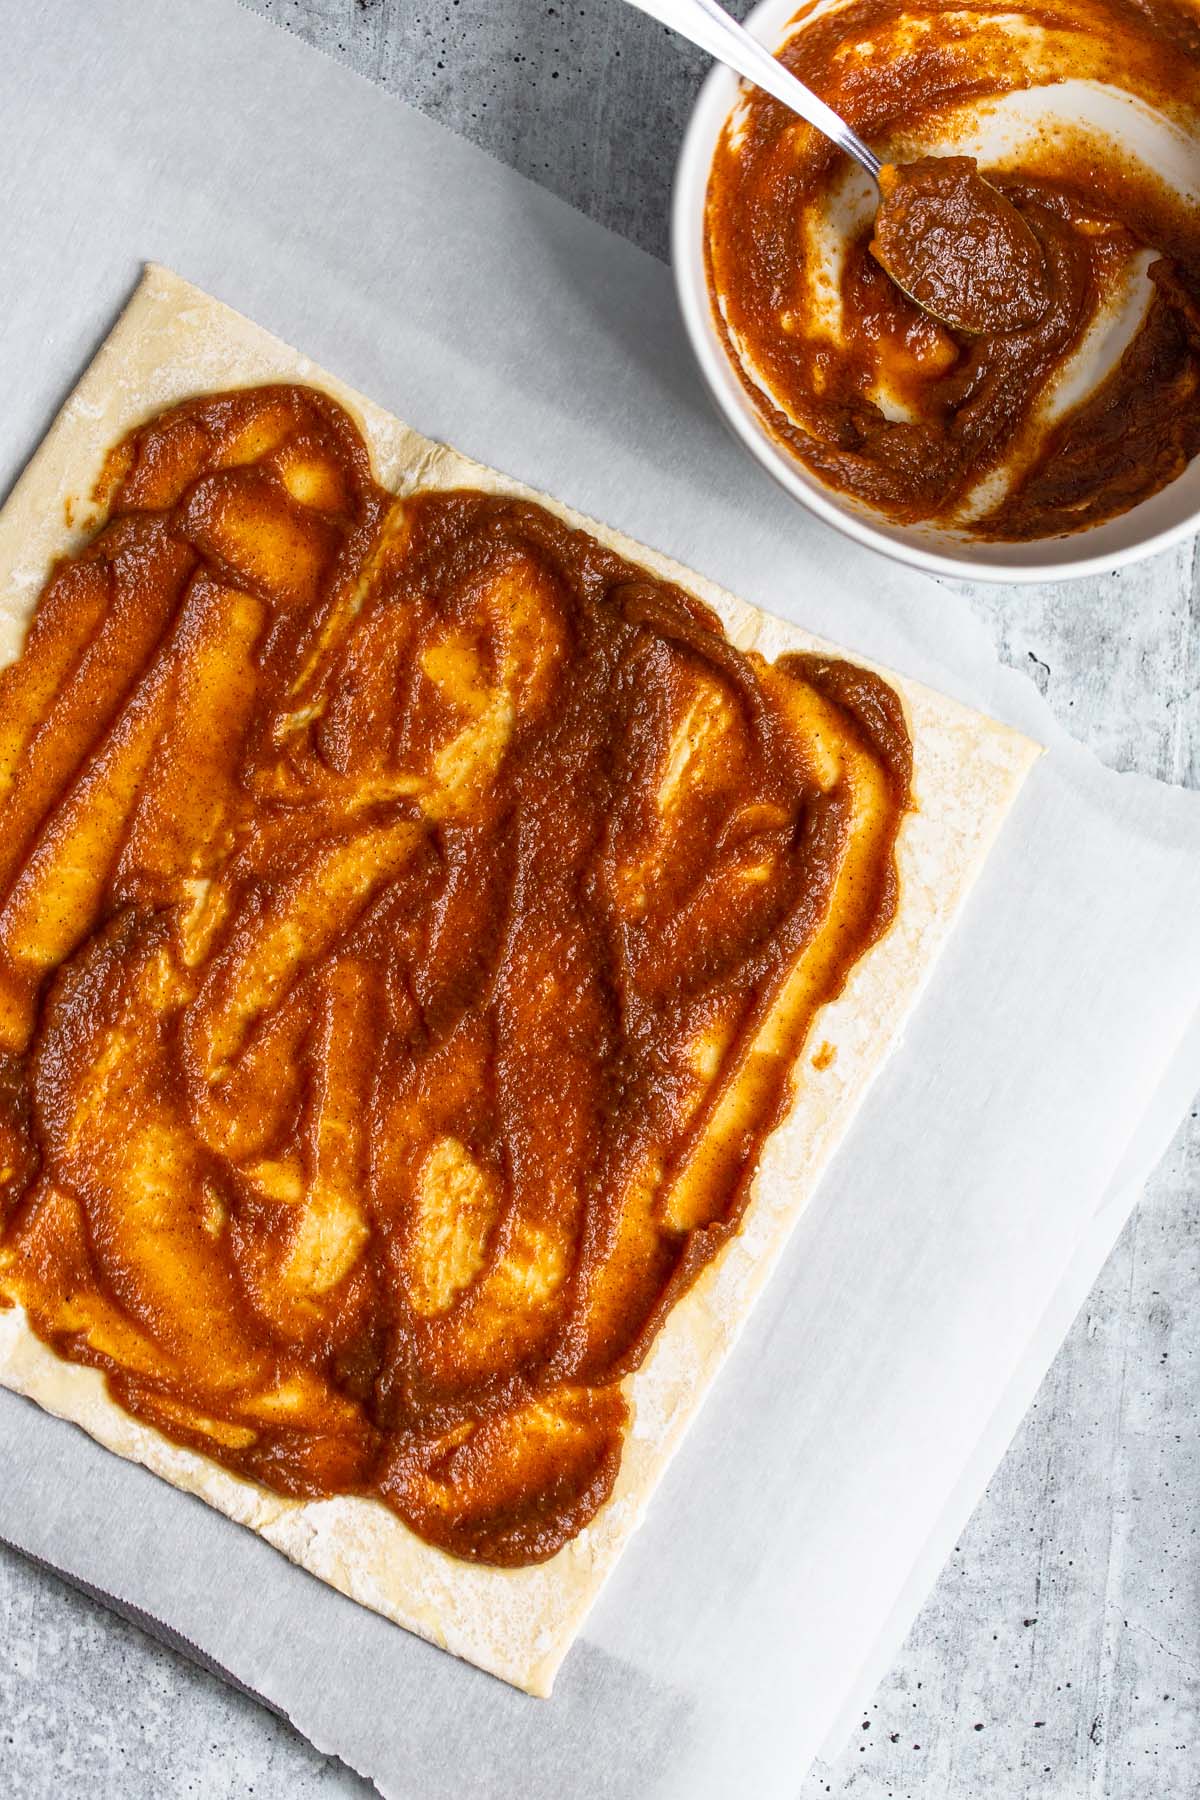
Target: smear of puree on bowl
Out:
[1068,388]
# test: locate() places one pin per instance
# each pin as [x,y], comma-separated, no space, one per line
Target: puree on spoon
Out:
[957,247]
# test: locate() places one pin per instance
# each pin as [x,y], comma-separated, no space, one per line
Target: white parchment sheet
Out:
[926,1289]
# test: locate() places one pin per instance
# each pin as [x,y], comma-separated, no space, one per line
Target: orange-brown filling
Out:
[885,403]
[410,913]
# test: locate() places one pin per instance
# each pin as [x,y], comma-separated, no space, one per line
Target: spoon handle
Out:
[711,28]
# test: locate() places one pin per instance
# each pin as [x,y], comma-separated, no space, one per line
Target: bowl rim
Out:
[712,106]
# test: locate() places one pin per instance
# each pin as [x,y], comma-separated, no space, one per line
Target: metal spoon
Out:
[999,260]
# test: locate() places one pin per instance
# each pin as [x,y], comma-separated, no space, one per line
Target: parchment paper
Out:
[928,1286]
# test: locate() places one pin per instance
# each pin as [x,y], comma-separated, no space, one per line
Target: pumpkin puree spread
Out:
[961,427]
[410,914]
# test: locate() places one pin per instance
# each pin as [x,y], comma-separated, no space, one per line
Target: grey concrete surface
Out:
[1059,1656]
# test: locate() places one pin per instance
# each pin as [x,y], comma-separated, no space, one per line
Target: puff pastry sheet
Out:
[173,342]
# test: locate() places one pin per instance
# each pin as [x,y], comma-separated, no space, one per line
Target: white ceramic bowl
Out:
[1156,523]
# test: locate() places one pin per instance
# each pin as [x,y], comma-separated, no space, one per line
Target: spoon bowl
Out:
[958,248]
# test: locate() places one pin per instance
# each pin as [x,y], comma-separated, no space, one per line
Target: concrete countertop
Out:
[1059,1655]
